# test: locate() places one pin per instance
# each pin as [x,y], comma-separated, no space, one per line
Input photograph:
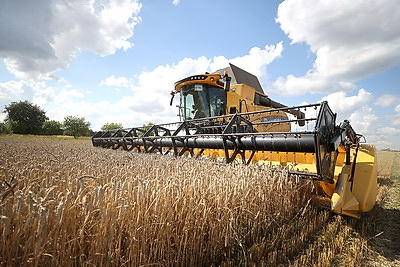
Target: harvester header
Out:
[227,116]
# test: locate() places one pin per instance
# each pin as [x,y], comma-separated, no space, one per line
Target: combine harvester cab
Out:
[226,115]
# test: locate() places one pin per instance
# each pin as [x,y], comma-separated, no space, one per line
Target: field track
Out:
[385,243]
[66,203]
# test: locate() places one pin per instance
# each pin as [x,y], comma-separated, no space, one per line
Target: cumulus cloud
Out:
[354,108]
[387,137]
[389,131]
[387,100]
[40,37]
[150,90]
[58,101]
[351,40]
[149,95]
[397,108]
[346,104]
[396,117]
[13,91]
[176,2]
[115,81]
[357,109]
[9,90]
[254,62]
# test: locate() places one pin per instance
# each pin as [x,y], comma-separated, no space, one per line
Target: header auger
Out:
[226,115]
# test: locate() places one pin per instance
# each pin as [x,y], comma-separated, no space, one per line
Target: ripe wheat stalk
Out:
[73,204]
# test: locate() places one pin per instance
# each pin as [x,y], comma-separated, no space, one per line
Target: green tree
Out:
[52,128]
[6,127]
[76,126]
[147,126]
[25,117]
[111,126]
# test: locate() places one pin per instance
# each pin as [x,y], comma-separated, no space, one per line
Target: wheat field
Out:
[66,203]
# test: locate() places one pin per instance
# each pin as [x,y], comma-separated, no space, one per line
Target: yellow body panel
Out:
[210,79]
[351,188]
[238,92]
[240,99]
[365,183]
[343,200]
[349,196]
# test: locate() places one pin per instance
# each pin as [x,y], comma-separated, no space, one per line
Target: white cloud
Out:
[176,2]
[351,40]
[383,140]
[396,117]
[257,59]
[387,100]
[389,131]
[116,82]
[355,108]
[386,137]
[397,108]
[345,104]
[151,98]
[10,89]
[150,91]
[40,37]
[13,91]
[54,100]
[293,86]
[358,111]
[254,62]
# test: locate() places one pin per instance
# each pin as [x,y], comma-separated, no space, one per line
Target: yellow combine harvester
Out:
[226,115]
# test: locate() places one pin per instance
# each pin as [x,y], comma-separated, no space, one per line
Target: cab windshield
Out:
[201,100]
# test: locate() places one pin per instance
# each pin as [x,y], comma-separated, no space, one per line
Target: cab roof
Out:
[240,76]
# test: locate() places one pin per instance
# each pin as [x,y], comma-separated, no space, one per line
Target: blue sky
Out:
[117,60]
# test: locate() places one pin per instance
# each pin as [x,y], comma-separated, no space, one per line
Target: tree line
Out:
[24,117]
